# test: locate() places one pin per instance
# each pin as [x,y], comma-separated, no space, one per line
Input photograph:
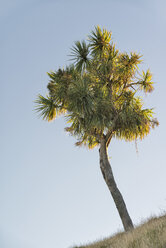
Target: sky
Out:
[52,194]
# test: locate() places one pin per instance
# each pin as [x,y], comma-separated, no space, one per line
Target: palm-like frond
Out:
[80,96]
[133,121]
[85,133]
[99,40]
[80,54]
[60,83]
[146,81]
[46,107]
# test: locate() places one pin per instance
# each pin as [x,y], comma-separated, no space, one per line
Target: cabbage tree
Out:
[98,94]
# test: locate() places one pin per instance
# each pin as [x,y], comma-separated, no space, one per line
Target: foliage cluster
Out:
[97,93]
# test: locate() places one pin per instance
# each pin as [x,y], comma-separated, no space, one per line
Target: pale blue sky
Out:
[52,194]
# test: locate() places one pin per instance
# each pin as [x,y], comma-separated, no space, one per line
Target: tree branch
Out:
[110,132]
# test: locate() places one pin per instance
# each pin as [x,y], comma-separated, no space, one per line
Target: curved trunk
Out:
[110,181]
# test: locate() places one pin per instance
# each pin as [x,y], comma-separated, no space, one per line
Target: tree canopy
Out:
[98,93]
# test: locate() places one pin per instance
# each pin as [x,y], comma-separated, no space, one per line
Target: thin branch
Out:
[110,132]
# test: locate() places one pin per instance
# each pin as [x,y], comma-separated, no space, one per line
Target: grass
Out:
[151,234]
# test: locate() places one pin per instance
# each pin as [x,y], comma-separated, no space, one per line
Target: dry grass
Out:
[151,234]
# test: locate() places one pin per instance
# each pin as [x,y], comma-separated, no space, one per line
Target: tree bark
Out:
[110,181]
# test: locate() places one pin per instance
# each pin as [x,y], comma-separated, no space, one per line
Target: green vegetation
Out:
[151,234]
[97,94]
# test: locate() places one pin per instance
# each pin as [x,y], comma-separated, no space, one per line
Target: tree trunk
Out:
[110,181]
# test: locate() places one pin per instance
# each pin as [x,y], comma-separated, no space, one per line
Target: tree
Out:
[98,94]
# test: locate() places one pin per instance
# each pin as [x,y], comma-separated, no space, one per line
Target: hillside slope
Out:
[151,234]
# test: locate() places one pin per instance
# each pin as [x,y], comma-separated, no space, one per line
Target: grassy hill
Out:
[151,234]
